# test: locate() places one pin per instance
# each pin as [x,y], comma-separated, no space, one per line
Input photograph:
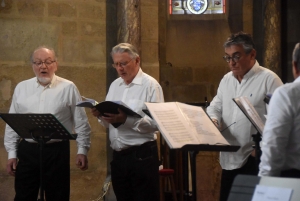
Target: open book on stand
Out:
[247,108]
[182,124]
[108,107]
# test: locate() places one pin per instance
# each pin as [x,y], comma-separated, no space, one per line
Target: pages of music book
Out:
[182,124]
[87,102]
[247,108]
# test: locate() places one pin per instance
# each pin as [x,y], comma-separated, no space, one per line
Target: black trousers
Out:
[250,168]
[290,173]
[134,173]
[56,158]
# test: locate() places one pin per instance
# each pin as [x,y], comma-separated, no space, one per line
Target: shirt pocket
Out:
[136,105]
[57,108]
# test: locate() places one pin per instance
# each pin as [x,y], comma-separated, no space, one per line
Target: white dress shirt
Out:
[58,98]
[281,139]
[135,131]
[255,85]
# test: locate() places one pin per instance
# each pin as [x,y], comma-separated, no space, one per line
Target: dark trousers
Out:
[134,173]
[291,173]
[250,168]
[56,158]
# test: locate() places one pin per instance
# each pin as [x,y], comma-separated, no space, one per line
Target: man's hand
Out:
[253,153]
[115,118]
[82,161]
[11,166]
[95,112]
[215,121]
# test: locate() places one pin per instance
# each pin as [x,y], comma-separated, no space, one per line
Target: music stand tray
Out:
[35,126]
[39,127]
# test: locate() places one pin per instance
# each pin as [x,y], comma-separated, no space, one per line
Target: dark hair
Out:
[240,38]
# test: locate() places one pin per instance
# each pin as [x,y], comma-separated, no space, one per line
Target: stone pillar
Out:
[272,33]
[128,25]
[129,22]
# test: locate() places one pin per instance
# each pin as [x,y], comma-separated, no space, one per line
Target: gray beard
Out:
[44,80]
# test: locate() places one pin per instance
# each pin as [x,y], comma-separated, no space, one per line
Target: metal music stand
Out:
[40,128]
[192,151]
[255,137]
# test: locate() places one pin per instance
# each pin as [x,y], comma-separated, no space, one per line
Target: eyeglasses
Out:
[235,58]
[121,64]
[40,63]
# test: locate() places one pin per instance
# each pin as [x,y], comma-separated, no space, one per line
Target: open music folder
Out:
[248,109]
[182,124]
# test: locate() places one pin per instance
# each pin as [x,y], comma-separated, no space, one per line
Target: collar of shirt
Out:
[137,79]
[297,79]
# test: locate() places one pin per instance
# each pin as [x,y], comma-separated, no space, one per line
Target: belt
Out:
[135,148]
[52,144]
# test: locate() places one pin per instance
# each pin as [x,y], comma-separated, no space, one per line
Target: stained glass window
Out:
[196,7]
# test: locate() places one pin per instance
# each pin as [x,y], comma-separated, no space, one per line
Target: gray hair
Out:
[43,47]
[296,55]
[125,47]
[240,38]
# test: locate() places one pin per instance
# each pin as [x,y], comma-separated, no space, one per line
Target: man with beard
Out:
[46,93]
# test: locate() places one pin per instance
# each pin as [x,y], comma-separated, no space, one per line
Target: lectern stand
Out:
[255,120]
[41,128]
[193,150]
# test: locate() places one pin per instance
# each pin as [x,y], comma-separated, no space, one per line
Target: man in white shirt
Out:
[281,138]
[46,93]
[134,168]
[247,78]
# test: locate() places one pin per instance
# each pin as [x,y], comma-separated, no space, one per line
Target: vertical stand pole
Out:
[193,155]
[185,174]
[41,143]
[257,139]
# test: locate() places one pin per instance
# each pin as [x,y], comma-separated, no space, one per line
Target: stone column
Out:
[272,33]
[129,22]
[128,26]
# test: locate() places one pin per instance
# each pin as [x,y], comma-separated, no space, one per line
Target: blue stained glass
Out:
[197,5]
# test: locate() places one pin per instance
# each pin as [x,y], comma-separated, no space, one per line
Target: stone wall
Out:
[76,30]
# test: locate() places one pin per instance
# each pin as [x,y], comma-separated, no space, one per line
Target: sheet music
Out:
[252,113]
[206,131]
[171,124]
[183,124]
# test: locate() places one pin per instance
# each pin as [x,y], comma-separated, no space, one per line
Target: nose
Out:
[231,61]
[43,65]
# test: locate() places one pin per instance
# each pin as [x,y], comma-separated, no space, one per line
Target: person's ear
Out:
[138,60]
[296,71]
[253,54]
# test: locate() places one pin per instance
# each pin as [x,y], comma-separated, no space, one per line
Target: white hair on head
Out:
[296,55]
[125,47]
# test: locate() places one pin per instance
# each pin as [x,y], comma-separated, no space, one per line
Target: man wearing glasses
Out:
[46,93]
[247,78]
[134,168]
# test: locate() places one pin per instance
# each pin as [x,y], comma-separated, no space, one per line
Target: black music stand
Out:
[39,127]
[256,137]
[193,150]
